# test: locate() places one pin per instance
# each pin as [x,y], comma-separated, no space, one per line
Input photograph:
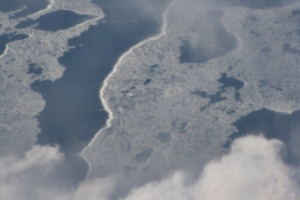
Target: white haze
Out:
[252,170]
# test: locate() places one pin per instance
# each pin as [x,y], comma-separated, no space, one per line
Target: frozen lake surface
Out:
[99,97]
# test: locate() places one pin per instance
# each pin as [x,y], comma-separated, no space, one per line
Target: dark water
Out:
[226,82]
[287,48]
[213,39]
[164,137]
[295,12]
[32,6]
[257,4]
[147,81]
[271,124]
[34,69]
[143,156]
[231,82]
[73,112]
[7,38]
[55,21]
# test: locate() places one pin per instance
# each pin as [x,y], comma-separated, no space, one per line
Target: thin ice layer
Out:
[267,76]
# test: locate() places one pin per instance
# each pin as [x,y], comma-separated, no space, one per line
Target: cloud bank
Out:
[253,169]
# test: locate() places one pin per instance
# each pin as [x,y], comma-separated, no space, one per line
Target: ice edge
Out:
[115,68]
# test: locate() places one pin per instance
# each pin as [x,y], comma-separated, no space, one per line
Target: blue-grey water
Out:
[273,125]
[143,156]
[27,6]
[164,137]
[7,38]
[35,69]
[213,39]
[226,82]
[256,4]
[287,48]
[55,21]
[73,112]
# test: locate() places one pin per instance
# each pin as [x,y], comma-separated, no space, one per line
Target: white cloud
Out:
[96,189]
[252,170]
[30,178]
[27,178]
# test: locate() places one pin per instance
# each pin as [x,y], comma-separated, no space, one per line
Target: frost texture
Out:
[170,104]
[18,103]
[151,92]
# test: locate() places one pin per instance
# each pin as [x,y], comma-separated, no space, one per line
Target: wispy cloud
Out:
[252,170]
